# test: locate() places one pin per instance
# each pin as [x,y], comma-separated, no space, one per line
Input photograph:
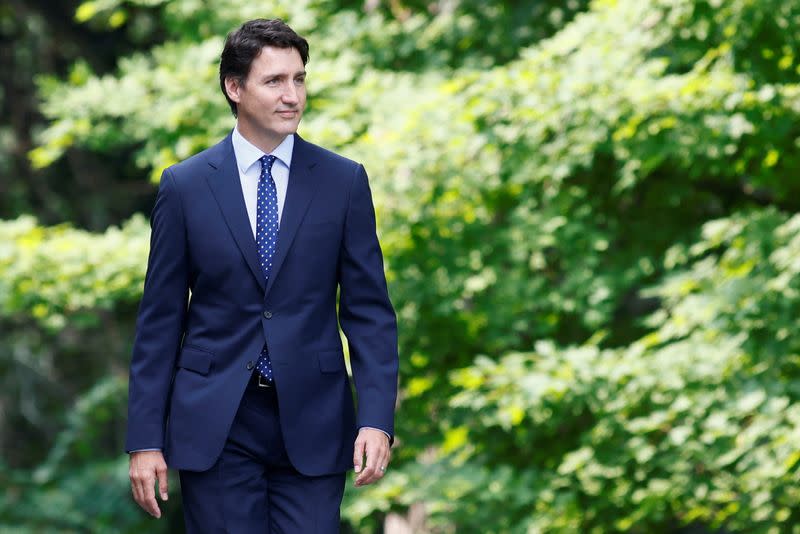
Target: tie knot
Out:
[266,161]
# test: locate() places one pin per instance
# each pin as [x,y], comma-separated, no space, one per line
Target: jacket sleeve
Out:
[365,312]
[160,323]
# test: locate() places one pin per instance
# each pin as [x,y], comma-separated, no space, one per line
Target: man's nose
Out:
[290,94]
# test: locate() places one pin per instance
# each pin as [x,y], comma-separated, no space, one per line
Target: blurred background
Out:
[589,212]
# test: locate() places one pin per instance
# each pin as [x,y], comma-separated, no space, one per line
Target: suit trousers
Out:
[253,487]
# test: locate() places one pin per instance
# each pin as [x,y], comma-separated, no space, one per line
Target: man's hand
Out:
[146,467]
[373,444]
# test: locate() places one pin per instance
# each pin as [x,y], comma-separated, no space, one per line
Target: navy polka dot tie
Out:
[266,238]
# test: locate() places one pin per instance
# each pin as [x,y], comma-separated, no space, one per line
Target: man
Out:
[238,377]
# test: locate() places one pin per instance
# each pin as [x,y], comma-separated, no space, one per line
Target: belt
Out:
[262,381]
[258,393]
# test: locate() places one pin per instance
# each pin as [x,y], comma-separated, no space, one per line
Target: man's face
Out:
[271,100]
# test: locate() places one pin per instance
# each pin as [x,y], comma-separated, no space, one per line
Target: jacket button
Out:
[250,365]
[267,315]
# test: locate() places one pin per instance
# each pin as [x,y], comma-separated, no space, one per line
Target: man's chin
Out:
[291,129]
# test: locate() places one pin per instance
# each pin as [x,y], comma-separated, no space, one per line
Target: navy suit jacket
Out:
[207,311]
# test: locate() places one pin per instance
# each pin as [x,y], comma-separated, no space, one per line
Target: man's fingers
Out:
[374,461]
[138,490]
[371,448]
[144,498]
[135,490]
[146,468]
[358,454]
[163,484]
[150,497]
[147,496]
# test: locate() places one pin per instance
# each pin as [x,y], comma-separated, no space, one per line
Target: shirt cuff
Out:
[143,450]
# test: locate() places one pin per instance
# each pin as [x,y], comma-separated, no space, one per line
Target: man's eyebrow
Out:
[270,76]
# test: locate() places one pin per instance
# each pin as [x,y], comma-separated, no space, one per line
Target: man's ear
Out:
[232,86]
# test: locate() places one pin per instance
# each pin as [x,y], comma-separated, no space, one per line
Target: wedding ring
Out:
[383,468]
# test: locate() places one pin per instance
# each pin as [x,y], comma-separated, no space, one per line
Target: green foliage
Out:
[95,497]
[59,274]
[589,236]
[697,422]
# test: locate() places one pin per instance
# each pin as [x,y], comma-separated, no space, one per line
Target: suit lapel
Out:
[226,186]
[299,193]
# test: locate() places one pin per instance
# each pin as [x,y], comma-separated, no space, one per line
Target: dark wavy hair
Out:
[244,44]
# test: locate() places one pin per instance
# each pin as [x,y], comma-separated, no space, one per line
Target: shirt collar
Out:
[247,154]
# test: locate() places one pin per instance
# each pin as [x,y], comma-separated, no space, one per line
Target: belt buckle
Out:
[263,382]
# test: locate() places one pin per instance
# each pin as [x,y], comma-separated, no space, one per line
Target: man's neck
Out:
[264,143]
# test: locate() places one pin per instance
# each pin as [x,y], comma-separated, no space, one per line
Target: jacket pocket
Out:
[331,361]
[195,359]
